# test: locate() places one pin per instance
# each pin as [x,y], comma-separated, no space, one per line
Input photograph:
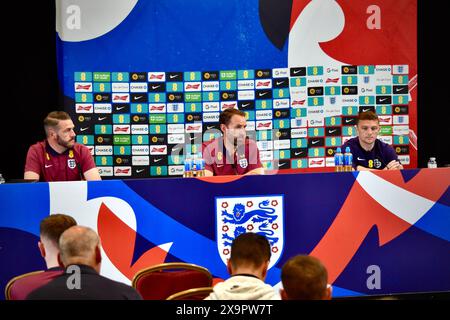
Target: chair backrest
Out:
[12,282]
[192,294]
[160,281]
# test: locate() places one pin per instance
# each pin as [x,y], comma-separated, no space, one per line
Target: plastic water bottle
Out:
[2,180]
[348,160]
[432,163]
[338,160]
[200,165]
[188,168]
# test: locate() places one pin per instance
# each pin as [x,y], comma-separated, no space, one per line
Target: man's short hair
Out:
[250,249]
[304,278]
[77,242]
[54,225]
[227,114]
[367,115]
[53,118]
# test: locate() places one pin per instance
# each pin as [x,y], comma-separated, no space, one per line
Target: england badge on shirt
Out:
[243,163]
[71,163]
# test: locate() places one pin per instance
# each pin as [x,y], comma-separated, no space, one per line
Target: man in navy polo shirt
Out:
[369,153]
[59,157]
[233,153]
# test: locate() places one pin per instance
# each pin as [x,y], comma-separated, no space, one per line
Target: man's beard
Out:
[66,144]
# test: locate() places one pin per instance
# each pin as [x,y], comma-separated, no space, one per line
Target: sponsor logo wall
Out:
[144,124]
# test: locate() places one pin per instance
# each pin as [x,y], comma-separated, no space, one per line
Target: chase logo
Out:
[263,215]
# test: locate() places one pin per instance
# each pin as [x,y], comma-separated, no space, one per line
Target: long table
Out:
[376,232]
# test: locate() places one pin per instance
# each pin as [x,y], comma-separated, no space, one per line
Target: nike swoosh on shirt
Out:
[48,166]
[358,158]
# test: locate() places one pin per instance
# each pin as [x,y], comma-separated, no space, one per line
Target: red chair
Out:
[192,294]
[161,281]
[19,287]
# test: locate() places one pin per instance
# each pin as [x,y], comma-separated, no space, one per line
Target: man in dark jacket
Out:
[81,257]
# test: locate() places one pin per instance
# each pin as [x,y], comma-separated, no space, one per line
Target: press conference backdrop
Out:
[145,81]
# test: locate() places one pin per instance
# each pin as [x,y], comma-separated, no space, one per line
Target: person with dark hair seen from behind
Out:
[304,278]
[59,157]
[368,152]
[80,254]
[50,230]
[233,153]
[248,265]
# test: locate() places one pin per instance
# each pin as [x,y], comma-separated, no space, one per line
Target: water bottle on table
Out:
[188,168]
[338,160]
[348,160]
[432,163]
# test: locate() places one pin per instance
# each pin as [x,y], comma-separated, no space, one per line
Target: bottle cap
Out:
[432,158]
[347,149]
[338,149]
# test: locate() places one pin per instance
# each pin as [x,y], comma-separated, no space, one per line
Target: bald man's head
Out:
[80,245]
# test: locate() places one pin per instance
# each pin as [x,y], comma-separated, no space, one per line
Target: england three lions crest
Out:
[258,214]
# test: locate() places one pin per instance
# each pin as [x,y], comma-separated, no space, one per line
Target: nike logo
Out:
[84,129]
[245,105]
[364,110]
[383,99]
[175,149]
[398,89]
[348,120]
[296,71]
[278,83]
[219,165]
[120,108]
[298,153]
[191,138]
[262,94]
[157,160]
[138,97]
[359,159]
[314,142]
[210,127]
[332,131]
[173,76]
[101,118]
[140,170]
[155,87]
[281,164]
[48,166]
